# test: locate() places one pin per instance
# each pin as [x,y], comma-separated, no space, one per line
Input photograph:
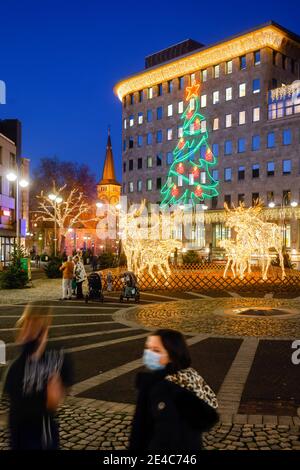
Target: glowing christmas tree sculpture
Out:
[189,180]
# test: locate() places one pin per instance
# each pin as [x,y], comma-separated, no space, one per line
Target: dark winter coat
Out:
[172,412]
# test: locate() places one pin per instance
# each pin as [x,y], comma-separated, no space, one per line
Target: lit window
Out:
[286,137]
[170,134]
[191,179]
[149,184]
[203,101]
[216,97]
[216,124]
[131,120]
[228,120]
[227,174]
[180,180]
[125,124]
[130,186]
[229,66]
[193,78]
[149,162]
[170,110]
[256,85]
[203,177]
[180,132]
[256,114]
[242,117]
[203,125]
[140,118]
[242,90]
[204,75]
[256,57]
[216,71]
[139,185]
[192,104]
[180,107]
[150,93]
[228,94]
[286,167]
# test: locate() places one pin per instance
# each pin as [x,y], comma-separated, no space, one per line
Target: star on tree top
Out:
[192,90]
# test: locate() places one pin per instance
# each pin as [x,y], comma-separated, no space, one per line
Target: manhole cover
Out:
[261,312]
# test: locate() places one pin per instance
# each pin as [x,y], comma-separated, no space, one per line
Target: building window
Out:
[216,97]
[159,113]
[203,149]
[180,107]
[203,125]
[242,90]
[130,165]
[124,145]
[140,141]
[180,180]
[131,120]
[241,145]
[159,137]
[130,186]
[255,142]
[131,99]
[149,184]
[242,117]
[256,55]
[216,71]
[227,174]
[125,124]
[149,138]
[203,101]
[270,169]
[229,66]
[228,94]
[170,134]
[255,198]
[204,75]
[286,197]
[255,171]
[139,186]
[141,95]
[140,163]
[284,62]
[228,147]
[286,167]
[256,114]
[180,132]
[215,175]
[215,150]
[150,93]
[243,62]
[192,78]
[124,168]
[241,173]
[169,158]
[191,179]
[149,115]
[170,86]
[241,198]
[131,142]
[140,118]
[149,162]
[203,177]
[270,196]
[170,110]
[274,57]
[271,140]
[287,137]
[159,90]
[180,83]
[158,183]
[256,85]
[159,159]
[216,124]
[228,120]
[227,200]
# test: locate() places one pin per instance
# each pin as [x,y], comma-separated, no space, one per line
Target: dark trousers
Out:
[79,290]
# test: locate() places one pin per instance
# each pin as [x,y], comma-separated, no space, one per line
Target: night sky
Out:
[61,59]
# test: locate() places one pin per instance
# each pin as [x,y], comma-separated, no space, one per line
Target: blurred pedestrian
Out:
[175,405]
[109,281]
[95,263]
[80,276]
[35,384]
[67,269]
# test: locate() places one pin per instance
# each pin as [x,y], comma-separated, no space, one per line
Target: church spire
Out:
[108,175]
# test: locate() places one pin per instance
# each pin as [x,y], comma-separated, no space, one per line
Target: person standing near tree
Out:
[80,276]
[67,269]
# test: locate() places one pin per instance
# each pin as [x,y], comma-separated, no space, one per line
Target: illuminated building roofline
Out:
[269,35]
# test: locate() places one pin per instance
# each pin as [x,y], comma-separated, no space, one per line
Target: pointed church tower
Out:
[108,189]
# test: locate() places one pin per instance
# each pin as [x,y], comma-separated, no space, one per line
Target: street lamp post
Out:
[57,200]
[15,177]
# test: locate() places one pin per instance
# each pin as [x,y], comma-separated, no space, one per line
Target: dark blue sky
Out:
[61,59]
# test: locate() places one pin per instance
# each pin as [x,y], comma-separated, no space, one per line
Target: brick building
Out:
[250,97]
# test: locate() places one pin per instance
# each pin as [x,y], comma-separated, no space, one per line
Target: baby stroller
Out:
[95,290]
[130,289]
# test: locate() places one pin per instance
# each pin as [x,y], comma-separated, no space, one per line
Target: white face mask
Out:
[151,360]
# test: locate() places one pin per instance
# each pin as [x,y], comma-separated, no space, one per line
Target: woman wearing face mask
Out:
[35,384]
[175,405]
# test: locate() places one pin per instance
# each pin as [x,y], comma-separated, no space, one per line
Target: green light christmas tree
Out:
[189,179]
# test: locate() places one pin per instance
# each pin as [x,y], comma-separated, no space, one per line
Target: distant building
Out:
[251,101]
[109,189]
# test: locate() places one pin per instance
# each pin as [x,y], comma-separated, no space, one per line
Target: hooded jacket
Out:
[172,412]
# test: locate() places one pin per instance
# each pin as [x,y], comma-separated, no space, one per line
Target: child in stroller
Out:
[95,291]
[130,289]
